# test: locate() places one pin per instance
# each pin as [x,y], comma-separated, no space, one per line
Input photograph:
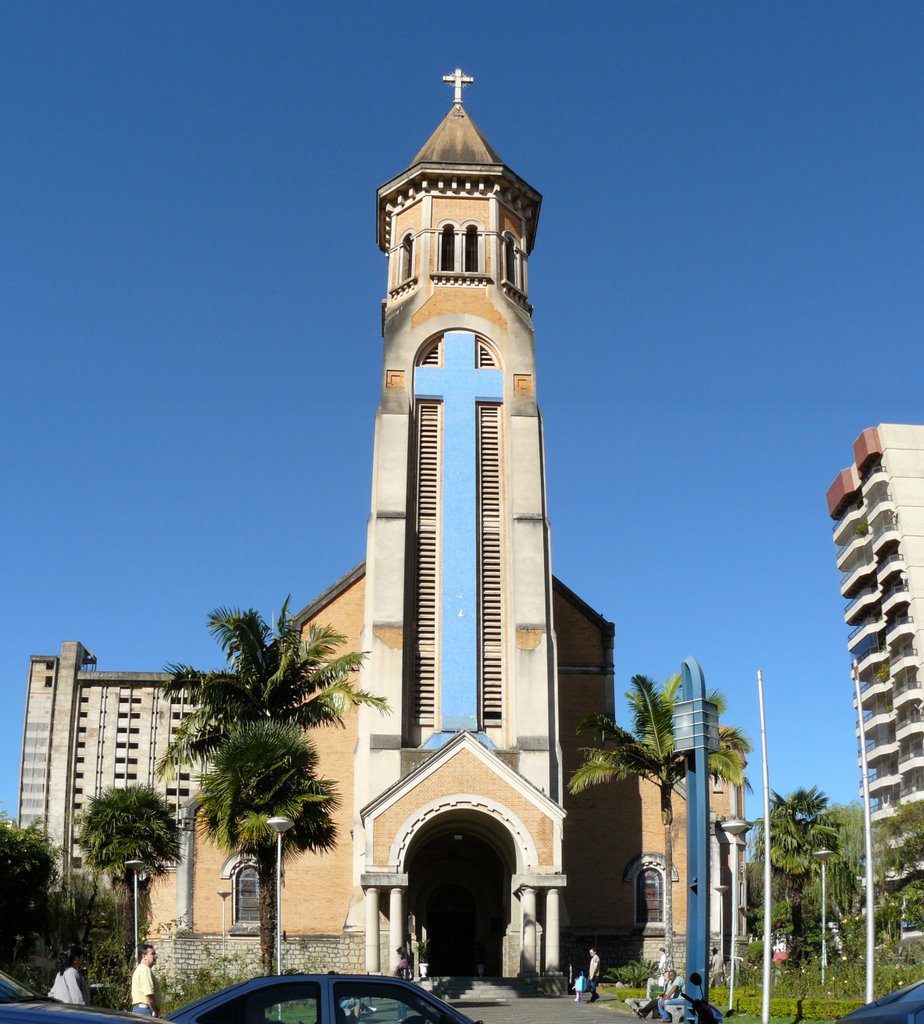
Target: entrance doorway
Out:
[451,930]
[459,895]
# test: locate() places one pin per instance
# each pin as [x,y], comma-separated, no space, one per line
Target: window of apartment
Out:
[649,897]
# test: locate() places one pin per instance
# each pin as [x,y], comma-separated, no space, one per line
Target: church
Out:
[455,823]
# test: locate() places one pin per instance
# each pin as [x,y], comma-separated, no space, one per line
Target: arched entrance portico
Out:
[459,895]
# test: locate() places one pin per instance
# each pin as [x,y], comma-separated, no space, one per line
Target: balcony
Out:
[902,695]
[869,656]
[904,658]
[911,724]
[895,595]
[900,630]
[851,547]
[868,627]
[911,755]
[876,717]
[867,597]
[857,572]
[848,521]
[874,475]
[891,565]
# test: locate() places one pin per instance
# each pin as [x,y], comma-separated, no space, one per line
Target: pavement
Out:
[546,1010]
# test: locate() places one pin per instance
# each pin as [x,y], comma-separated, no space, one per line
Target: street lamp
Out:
[823,856]
[224,894]
[721,890]
[735,827]
[279,825]
[136,866]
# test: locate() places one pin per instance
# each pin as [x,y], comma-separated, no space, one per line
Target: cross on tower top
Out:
[457,80]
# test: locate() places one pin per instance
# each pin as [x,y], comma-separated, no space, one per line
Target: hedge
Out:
[751,1001]
[792,1007]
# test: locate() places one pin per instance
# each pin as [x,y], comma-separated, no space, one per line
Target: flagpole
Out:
[868,835]
[768,897]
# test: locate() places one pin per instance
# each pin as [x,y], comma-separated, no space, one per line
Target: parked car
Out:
[905,1005]
[320,999]
[19,1004]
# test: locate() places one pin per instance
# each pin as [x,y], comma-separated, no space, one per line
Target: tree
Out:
[268,675]
[647,752]
[263,769]
[900,841]
[799,825]
[27,868]
[130,823]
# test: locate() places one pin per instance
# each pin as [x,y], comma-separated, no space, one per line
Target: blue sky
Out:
[727,289]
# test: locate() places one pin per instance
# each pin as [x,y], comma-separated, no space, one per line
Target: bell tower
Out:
[458,606]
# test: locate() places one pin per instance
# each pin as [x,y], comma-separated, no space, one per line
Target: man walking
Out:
[145,989]
[593,975]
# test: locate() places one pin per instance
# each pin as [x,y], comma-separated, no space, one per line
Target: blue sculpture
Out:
[696,733]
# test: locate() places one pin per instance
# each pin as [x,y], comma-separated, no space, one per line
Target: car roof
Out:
[262,981]
[52,1010]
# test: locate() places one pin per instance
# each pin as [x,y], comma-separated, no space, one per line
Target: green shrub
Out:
[635,972]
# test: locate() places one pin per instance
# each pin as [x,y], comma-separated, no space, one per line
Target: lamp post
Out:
[224,894]
[735,827]
[823,856]
[136,866]
[721,890]
[279,825]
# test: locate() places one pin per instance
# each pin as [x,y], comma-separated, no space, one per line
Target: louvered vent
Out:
[433,356]
[486,358]
[490,562]
[428,527]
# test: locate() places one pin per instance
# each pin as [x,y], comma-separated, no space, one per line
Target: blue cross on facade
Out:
[459,386]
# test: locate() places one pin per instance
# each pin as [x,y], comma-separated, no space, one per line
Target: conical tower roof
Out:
[457,140]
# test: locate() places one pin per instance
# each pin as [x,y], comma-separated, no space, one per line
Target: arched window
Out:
[649,897]
[406,269]
[470,264]
[246,895]
[510,261]
[448,249]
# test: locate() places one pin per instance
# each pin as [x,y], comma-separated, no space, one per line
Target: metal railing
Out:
[865,592]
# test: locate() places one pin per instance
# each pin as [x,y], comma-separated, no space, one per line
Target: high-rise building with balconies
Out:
[877,504]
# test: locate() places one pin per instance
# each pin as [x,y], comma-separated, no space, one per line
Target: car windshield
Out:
[12,992]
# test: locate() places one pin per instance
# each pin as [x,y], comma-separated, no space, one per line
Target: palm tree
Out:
[647,752]
[268,675]
[130,823]
[799,825]
[263,769]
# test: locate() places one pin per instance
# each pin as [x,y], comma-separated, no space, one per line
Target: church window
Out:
[510,260]
[407,258]
[246,895]
[448,249]
[649,897]
[471,250]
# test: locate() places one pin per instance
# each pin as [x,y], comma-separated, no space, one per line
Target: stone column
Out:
[528,932]
[396,924]
[552,933]
[372,930]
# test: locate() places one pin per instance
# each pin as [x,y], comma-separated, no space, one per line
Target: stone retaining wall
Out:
[181,954]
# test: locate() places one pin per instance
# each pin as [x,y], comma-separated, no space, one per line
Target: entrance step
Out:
[487,990]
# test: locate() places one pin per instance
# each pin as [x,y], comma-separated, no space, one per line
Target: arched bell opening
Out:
[459,893]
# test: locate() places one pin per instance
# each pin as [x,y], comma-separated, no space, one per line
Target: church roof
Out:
[457,140]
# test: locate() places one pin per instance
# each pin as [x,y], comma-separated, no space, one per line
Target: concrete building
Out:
[455,822]
[878,507]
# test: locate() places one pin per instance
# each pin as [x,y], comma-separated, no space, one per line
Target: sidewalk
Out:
[547,1010]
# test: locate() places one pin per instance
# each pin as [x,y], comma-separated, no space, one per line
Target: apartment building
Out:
[877,505]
